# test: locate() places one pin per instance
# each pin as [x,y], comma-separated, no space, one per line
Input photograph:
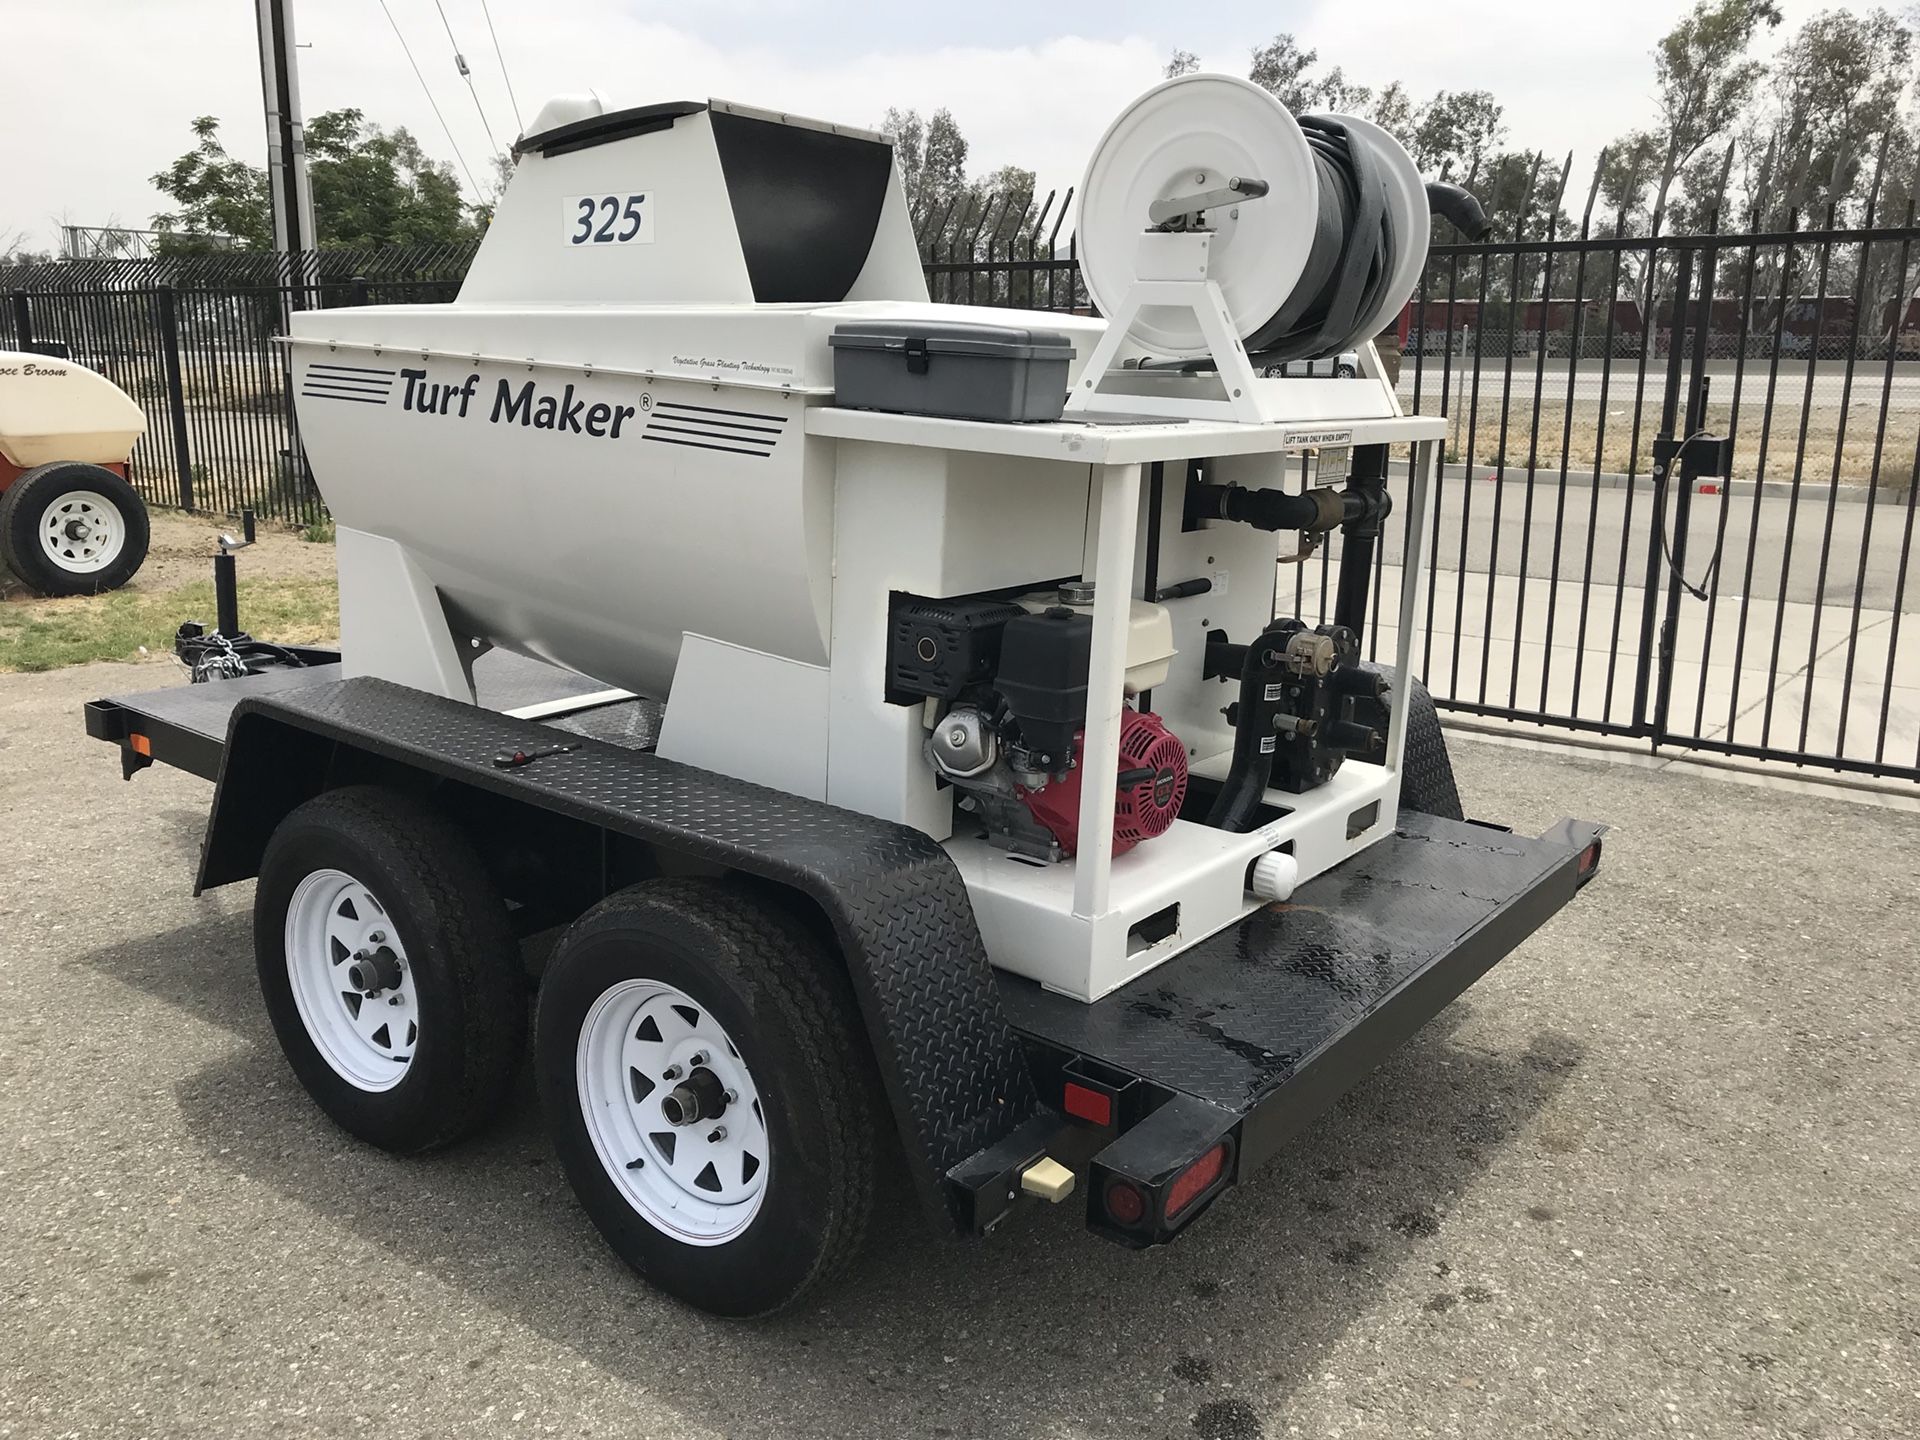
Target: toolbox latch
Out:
[916,354]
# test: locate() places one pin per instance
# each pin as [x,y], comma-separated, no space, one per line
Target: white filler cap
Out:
[1274,876]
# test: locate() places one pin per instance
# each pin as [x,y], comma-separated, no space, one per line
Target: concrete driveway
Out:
[1656,1175]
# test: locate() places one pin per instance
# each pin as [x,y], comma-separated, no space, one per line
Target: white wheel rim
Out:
[82,531]
[701,1182]
[365,1031]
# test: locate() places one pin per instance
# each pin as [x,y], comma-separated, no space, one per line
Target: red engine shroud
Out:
[1143,808]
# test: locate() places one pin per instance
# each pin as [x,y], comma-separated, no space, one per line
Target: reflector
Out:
[1196,1179]
[1089,1105]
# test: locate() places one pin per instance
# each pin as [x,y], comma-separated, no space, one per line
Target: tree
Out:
[14,250]
[1627,169]
[1181,62]
[1704,81]
[1335,92]
[378,187]
[1454,132]
[370,187]
[932,155]
[1392,111]
[909,135]
[1838,85]
[222,200]
[1280,67]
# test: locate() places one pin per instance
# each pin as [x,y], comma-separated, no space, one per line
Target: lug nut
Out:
[729,1096]
[699,1058]
[672,1072]
[718,1134]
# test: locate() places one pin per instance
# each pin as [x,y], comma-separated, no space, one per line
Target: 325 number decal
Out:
[610,219]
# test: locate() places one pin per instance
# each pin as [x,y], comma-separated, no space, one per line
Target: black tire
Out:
[1426,779]
[784,1003]
[466,974]
[24,510]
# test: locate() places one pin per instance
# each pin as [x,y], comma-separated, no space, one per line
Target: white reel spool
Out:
[1193,133]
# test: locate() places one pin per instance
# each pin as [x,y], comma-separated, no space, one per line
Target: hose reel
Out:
[1319,225]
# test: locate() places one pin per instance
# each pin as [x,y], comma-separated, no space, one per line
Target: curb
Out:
[1731,489]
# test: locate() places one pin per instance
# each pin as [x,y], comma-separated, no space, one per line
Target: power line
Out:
[519,124]
[460,64]
[408,50]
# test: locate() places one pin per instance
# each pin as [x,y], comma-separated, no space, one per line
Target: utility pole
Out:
[293,232]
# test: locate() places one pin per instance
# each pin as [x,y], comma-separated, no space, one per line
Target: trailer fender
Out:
[955,1074]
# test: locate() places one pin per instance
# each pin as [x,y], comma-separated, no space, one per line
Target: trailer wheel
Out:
[702,1067]
[389,970]
[72,529]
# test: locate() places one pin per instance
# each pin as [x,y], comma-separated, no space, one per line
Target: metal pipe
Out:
[1106,674]
[1366,502]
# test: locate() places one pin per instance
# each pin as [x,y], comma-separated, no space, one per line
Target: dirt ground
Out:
[181,553]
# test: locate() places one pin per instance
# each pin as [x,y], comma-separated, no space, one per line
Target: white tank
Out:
[601,445]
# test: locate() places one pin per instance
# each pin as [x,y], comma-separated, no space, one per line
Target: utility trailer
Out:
[870,590]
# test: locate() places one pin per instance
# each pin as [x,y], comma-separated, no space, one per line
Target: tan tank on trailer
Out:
[70,524]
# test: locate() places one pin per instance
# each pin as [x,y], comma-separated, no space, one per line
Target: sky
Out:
[108,88]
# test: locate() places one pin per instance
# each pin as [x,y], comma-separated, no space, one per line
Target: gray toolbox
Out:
[950,368]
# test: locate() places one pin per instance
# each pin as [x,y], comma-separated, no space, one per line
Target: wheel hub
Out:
[701,1096]
[373,971]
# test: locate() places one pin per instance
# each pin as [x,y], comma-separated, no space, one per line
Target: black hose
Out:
[1351,262]
[1461,206]
[1317,510]
[1355,250]
[1237,805]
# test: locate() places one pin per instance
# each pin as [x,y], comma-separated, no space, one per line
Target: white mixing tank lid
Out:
[1193,133]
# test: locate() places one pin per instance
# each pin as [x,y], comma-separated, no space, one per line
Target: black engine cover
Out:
[940,647]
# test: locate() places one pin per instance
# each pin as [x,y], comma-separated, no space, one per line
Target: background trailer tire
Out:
[389,969]
[72,529]
[706,1083]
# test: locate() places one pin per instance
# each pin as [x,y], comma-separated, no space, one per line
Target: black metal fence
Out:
[1568,580]
[189,339]
[1573,581]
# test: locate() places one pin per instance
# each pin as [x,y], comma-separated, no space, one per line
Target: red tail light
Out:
[1196,1179]
[1125,1203]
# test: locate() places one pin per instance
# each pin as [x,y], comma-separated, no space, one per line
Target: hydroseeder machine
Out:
[884,701]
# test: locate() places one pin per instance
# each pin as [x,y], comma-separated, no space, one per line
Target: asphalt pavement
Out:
[1656,1175]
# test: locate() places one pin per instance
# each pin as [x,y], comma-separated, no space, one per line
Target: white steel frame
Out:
[1071,926]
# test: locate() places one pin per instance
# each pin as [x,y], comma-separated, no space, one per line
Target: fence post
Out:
[1646,683]
[22,321]
[357,290]
[176,392]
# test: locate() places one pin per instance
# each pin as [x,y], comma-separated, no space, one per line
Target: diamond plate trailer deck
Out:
[1164,1093]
